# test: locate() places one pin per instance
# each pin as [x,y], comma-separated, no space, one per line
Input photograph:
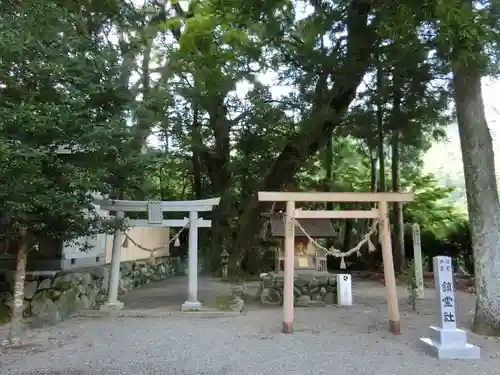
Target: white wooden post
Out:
[288,296]
[446,341]
[417,261]
[114,280]
[192,302]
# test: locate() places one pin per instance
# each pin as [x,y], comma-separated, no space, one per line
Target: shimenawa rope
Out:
[151,252]
[335,252]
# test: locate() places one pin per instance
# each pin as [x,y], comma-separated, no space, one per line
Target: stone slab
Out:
[191,306]
[457,337]
[112,306]
[160,313]
[439,351]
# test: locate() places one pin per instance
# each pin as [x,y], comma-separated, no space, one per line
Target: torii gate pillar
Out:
[192,302]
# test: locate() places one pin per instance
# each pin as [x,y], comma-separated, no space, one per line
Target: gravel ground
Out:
[326,340]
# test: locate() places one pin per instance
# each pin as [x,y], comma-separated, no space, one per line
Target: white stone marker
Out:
[417,259]
[446,341]
[344,290]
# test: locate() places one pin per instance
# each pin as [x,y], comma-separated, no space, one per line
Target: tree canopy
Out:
[160,100]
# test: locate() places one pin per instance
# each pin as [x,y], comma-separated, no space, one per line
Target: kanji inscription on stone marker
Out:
[449,317]
[446,287]
[448,301]
[416,234]
[443,278]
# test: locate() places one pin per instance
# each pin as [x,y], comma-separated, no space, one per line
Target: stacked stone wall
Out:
[58,295]
[317,288]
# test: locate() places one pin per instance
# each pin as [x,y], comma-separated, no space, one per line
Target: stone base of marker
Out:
[449,344]
[112,306]
[191,306]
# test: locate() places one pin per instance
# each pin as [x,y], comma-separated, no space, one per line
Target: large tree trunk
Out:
[482,195]
[397,207]
[195,158]
[246,178]
[16,319]
[144,119]
[218,164]
[379,118]
[311,136]
[346,242]
[328,166]
[373,170]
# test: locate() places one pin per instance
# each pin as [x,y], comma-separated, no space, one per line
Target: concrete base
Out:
[191,306]
[449,344]
[161,313]
[112,306]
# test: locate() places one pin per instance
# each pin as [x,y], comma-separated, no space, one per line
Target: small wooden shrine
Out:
[307,256]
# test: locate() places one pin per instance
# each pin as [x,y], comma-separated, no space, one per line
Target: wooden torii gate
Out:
[380,213]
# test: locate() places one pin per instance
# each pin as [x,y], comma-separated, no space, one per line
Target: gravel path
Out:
[327,340]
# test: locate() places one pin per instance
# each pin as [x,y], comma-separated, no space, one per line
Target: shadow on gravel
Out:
[96,372]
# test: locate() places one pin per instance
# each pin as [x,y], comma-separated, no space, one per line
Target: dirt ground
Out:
[171,293]
[350,339]
[368,313]
[369,299]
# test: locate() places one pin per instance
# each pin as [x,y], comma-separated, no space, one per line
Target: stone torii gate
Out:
[155,211]
[380,213]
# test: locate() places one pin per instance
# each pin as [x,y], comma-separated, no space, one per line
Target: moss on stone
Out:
[4,314]
[223,302]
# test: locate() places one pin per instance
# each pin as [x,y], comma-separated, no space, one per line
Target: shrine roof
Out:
[316,228]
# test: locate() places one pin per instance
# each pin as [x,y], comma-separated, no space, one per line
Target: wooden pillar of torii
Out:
[381,213]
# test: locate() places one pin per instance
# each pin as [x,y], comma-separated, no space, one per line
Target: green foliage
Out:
[455,242]
[430,208]
[59,91]
[231,90]
[463,30]
[444,160]
[459,242]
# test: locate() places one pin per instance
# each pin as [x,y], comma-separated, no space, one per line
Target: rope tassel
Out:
[371,246]
[342,263]
[174,239]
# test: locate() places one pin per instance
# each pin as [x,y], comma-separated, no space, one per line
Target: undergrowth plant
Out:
[411,284]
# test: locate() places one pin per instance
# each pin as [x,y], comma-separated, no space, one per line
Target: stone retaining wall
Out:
[55,297]
[315,288]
